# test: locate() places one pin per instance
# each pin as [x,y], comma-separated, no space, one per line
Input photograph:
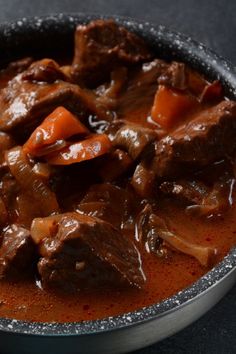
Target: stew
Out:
[117,179]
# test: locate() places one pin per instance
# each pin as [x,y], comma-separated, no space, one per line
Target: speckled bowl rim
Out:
[205,60]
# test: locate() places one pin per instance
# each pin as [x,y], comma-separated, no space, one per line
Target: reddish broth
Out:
[165,277]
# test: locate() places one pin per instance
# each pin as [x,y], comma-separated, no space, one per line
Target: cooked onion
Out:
[29,182]
[204,255]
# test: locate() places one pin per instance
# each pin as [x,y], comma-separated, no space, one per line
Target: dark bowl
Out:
[54,35]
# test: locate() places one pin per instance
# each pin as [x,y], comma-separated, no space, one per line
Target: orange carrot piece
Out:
[94,146]
[60,124]
[169,106]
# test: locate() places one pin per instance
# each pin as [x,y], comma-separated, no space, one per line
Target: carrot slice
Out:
[169,106]
[87,149]
[59,125]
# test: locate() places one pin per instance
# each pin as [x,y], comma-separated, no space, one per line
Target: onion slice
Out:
[29,182]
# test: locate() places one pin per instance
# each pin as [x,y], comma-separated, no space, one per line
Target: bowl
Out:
[52,35]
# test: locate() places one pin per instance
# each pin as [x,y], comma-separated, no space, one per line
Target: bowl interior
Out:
[52,36]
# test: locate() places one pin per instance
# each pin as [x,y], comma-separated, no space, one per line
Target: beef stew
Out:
[109,195]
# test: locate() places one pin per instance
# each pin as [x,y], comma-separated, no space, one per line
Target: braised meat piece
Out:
[25,102]
[105,192]
[179,76]
[45,70]
[134,97]
[102,210]
[118,80]
[174,76]
[116,205]
[134,139]
[17,251]
[115,165]
[109,92]
[208,137]
[102,45]
[112,128]
[82,251]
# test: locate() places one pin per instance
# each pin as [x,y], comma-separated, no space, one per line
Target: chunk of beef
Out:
[112,128]
[112,89]
[105,192]
[210,136]
[87,252]
[174,76]
[109,92]
[17,251]
[134,139]
[118,80]
[24,102]
[156,234]
[102,45]
[121,202]
[115,165]
[134,97]
[102,210]
[45,70]
[129,101]
[180,77]
[143,181]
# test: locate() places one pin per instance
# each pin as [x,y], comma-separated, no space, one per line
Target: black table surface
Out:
[213,23]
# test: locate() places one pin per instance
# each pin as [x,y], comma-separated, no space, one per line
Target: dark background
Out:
[213,23]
